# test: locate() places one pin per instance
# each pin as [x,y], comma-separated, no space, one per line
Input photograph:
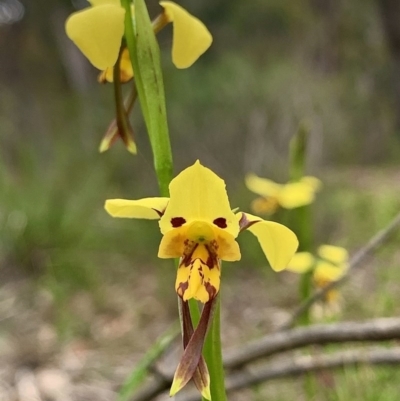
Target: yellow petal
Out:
[277,241]
[313,182]
[126,70]
[267,205]
[97,31]
[190,36]
[200,277]
[172,244]
[226,247]
[301,262]
[326,272]
[334,254]
[296,194]
[147,208]
[262,186]
[198,194]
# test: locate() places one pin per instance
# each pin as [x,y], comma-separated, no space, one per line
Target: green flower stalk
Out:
[302,216]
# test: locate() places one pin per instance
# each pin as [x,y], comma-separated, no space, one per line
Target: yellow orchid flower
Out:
[330,264]
[98,31]
[287,196]
[199,227]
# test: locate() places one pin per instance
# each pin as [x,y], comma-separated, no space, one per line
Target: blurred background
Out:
[82,296]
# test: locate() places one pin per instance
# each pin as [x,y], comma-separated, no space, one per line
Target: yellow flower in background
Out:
[200,228]
[98,31]
[330,264]
[287,196]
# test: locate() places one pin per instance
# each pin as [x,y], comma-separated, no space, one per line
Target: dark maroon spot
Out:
[220,222]
[177,221]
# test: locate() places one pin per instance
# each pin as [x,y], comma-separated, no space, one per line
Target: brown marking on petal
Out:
[177,222]
[159,212]
[188,252]
[200,271]
[244,222]
[212,259]
[212,291]
[182,287]
[220,222]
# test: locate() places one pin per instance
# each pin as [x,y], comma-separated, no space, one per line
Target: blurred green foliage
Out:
[273,63]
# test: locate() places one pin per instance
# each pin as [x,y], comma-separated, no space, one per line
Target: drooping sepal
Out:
[192,364]
[113,132]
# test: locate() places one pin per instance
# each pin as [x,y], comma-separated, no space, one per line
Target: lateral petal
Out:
[191,38]
[334,254]
[262,186]
[98,31]
[278,242]
[172,244]
[301,262]
[147,208]
[326,272]
[296,194]
[226,246]
[313,182]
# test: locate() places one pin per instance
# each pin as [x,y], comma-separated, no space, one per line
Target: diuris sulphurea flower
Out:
[329,264]
[288,196]
[98,32]
[200,228]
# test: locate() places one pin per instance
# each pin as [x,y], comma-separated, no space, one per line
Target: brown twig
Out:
[374,243]
[373,330]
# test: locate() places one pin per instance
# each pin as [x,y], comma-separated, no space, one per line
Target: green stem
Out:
[213,354]
[144,54]
[302,215]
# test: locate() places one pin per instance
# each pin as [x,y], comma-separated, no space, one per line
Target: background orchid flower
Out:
[287,196]
[98,31]
[200,228]
[330,264]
